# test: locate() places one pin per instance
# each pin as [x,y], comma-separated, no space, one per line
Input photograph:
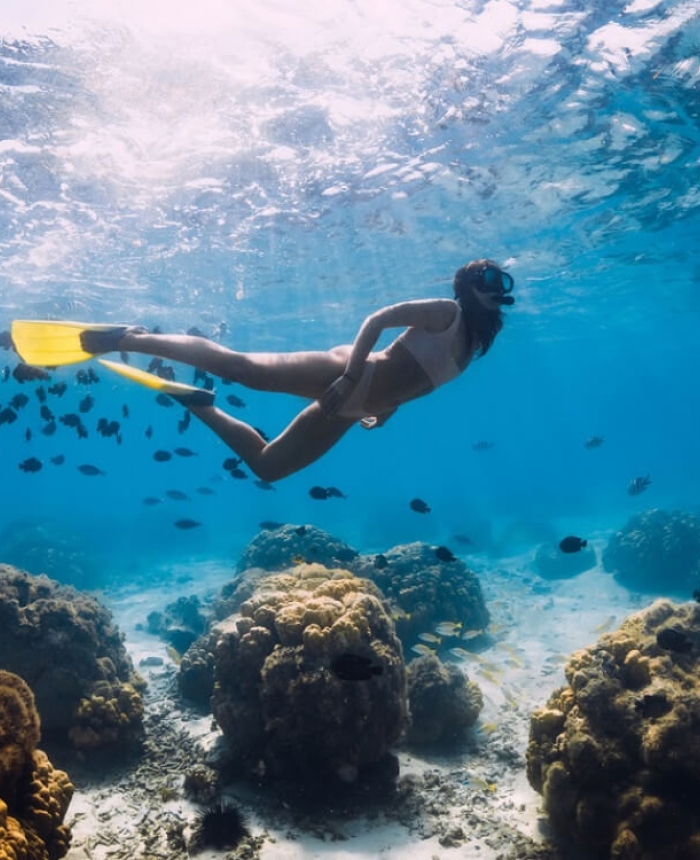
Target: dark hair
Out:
[482,324]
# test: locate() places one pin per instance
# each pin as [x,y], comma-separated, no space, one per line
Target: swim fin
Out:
[50,343]
[186,395]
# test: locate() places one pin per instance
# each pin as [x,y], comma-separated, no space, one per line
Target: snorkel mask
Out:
[490,279]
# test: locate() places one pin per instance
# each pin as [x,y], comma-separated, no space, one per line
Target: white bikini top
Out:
[433,349]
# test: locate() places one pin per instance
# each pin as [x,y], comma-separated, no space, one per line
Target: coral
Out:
[656,552]
[196,671]
[615,752]
[444,704]
[552,563]
[424,591]
[280,548]
[278,701]
[68,649]
[34,797]
[180,624]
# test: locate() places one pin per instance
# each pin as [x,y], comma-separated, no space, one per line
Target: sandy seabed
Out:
[475,803]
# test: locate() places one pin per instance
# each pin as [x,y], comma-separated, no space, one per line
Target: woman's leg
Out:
[310,435]
[305,374]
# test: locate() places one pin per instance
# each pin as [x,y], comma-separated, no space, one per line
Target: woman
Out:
[346,384]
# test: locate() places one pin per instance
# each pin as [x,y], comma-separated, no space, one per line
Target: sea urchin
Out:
[221,826]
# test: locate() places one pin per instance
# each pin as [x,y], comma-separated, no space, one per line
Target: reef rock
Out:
[615,753]
[34,797]
[656,552]
[278,549]
[279,697]
[68,649]
[444,703]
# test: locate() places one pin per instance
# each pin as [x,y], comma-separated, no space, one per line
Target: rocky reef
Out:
[34,797]
[615,753]
[657,552]
[278,549]
[444,703]
[68,649]
[310,678]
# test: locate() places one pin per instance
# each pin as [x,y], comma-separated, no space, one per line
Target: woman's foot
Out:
[100,341]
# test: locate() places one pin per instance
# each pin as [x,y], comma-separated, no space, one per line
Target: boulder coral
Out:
[657,552]
[615,753]
[444,703]
[67,647]
[279,702]
[34,797]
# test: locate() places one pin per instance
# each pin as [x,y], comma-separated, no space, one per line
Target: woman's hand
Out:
[336,394]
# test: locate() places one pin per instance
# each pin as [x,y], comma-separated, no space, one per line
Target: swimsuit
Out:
[433,350]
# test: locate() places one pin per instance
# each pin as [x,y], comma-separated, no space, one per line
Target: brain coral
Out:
[34,797]
[616,752]
[68,649]
[656,551]
[279,703]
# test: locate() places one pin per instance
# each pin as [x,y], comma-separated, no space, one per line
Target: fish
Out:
[462,653]
[46,413]
[422,650]
[41,394]
[264,485]
[262,433]
[430,637]
[154,364]
[473,633]
[186,524]
[381,561]
[58,389]
[269,525]
[231,463]
[165,371]
[448,628]
[318,492]
[177,495]
[300,530]
[419,506]
[28,435]
[151,501]
[482,445]
[164,400]
[185,452]
[149,432]
[5,373]
[234,401]
[31,464]
[125,410]
[19,401]
[594,442]
[481,783]
[6,339]
[24,373]
[90,470]
[355,667]
[206,491]
[638,485]
[162,456]
[86,404]
[676,639]
[445,554]
[335,493]
[571,543]
[49,428]
[7,416]
[238,474]
[70,419]
[462,539]
[58,460]
[184,422]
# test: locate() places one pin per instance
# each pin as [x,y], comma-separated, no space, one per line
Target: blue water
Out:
[289,173]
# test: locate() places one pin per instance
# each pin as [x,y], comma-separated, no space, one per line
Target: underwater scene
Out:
[350,430]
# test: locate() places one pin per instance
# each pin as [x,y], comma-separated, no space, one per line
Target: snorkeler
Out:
[347,384]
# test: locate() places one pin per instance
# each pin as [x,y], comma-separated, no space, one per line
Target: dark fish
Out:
[445,554]
[90,470]
[354,667]
[187,524]
[419,506]
[264,485]
[482,445]
[231,463]
[5,373]
[193,331]
[41,394]
[162,456]
[270,525]
[318,493]
[70,419]
[124,356]
[82,377]
[262,433]
[7,416]
[232,400]
[185,452]
[59,389]
[154,364]
[462,539]
[184,422]
[81,430]
[46,413]
[594,442]
[125,411]
[31,464]
[28,435]
[164,400]
[300,530]
[177,495]
[165,371]
[19,401]
[149,432]
[335,493]
[49,428]
[6,340]
[25,373]
[572,544]
[238,473]
[58,460]
[86,404]
[638,485]
[674,639]
[150,501]
[92,376]
[206,491]
[381,561]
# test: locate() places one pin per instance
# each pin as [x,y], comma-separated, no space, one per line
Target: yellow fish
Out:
[463,654]
[422,650]
[472,634]
[604,626]
[430,637]
[174,655]
[488,728]
[449,628]
[478,782]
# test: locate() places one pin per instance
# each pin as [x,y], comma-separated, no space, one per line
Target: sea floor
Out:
[475,803]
